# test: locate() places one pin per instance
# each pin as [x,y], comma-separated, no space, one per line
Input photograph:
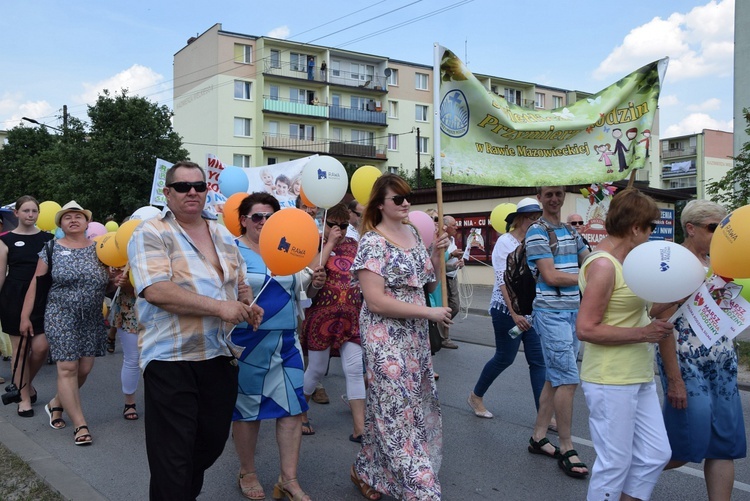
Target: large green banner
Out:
[487,140]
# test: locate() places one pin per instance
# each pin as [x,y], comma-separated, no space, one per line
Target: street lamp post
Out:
[31,120]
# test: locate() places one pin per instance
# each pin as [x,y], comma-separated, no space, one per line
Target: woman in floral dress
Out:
[402,439]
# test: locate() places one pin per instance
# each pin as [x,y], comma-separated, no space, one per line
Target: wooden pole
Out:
[632,179]
[441,230]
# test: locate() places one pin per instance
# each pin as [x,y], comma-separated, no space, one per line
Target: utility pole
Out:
[65,117]
[419,162]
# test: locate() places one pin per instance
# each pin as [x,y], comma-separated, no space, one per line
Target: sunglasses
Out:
[343,226]
[257,217]
[576,223]
[711,227]
[434,218]
[399,199]
[358,214]
[184,186]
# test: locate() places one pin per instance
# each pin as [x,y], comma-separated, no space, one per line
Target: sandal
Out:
[357,439]
[55,423]
[307,428]
[84,439]
[567,466]
[280,490]
[254,490]
[110,345]
[130,416]
[364,489]
[537,448]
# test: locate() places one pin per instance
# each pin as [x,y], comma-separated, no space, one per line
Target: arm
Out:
[520,320]
[600,282]
[676,393]
[3,261]
[25,327]
[554,277]
[499,262]
[373,289]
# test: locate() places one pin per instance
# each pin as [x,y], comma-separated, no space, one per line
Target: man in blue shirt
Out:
[554,315]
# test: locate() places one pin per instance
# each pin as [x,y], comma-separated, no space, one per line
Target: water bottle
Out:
[515,332]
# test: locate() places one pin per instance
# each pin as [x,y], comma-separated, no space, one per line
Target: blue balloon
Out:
[233,180]
[59,233]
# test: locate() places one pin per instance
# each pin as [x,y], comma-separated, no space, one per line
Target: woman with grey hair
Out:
[702,407]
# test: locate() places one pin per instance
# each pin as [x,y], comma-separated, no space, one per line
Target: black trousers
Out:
[189,409]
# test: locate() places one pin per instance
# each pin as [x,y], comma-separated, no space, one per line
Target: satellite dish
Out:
[387,72]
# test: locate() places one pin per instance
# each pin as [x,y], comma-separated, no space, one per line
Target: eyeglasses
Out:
[711,227]
[358,214]
[184,186]
[343,226]
[434,218]
[535,217]
[257,217]
[399,199]
[576,223]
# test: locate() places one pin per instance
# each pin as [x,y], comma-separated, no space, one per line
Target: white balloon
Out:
[324,181]
[662,272]
[146,212]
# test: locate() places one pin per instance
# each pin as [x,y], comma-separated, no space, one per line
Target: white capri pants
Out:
[629,438]
[351,362]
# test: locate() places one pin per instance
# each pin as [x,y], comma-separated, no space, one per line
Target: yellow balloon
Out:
[498,215]
[47,211]
[130,276]
[362,181]
[730,245]
[107,252]
[111,226]
[123,234]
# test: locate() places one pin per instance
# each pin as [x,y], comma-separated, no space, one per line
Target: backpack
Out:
[520,281]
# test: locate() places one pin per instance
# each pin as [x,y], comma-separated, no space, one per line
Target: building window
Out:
[242,160]
[271,160]
[243,127]
[335,67]
[243,53]
[392,109]
[422,81]
[275,58]
[336,100]
[393,78]
[297,62]
[392,169]
[243,90]
[557,101]
[420,113]
[302,131]
[363,72]
[273,128]
[359,103]
[393,142]
[539,103]
[337,134]
[422,145]
[274,92]
[362,137]
[513,96]
[298,95]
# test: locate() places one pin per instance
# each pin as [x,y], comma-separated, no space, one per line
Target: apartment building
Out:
[693,160]
[253,100]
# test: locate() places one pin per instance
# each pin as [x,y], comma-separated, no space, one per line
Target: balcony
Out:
[370,116]
[289,107]
[679,152]
[358,80]
[324,146]
[287,70]
[333,77]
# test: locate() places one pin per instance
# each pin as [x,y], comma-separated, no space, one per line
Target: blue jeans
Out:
[506,349]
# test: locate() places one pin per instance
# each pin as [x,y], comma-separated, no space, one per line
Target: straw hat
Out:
[71,206]
[525,206]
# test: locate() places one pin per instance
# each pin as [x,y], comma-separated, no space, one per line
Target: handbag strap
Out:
[49,245]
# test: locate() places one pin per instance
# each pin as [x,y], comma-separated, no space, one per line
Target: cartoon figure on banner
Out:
[620,149]
[603,150]
[646,139]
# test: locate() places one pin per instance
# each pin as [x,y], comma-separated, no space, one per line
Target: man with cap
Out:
[190,280]
[453,262]
[555,309]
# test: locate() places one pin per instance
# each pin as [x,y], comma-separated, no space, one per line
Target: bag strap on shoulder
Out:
[49,246]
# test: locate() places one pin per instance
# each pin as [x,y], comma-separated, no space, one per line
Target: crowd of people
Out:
[223,344]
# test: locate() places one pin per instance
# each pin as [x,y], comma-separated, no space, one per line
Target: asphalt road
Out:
[482,459]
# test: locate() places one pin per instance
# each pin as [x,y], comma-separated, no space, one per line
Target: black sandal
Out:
[537,448]
[84,439]
[567,467]
[53,422]
[129,416]
[110,345]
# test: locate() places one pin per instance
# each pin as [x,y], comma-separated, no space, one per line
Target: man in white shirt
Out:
[453,263]
[355,215]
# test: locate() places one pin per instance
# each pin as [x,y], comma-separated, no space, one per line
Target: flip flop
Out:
[310,431]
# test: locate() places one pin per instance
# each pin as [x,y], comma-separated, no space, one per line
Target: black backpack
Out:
[520,282]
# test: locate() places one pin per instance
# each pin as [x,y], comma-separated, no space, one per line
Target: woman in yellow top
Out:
[617,372]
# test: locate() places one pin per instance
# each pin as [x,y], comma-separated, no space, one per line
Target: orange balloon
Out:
[123,234]
[288,241]
[730,245]
[108,252]
[231,213]
[304,198]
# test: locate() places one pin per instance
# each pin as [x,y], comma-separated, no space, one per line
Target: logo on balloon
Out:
[283,245]
[322,174]
[663,266]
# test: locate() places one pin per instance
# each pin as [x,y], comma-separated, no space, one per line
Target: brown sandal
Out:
[364,489]
[254,490]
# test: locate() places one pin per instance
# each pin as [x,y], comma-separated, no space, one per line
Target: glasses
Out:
[399,199]
[184,186]
[711,227]
[535,217]
[434,218]
[652,225]
[358,214]
[343,226]
[257,217]
[576,223]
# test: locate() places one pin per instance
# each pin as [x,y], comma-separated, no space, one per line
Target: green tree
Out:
[425,178]
[25,163]
[733,190]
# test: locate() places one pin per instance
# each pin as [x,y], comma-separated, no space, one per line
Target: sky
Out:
[65,53]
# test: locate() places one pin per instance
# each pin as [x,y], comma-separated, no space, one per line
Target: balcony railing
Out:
[373,116]
[681,152]
[294,107]
[335,77]
[667,173]
[321,110]
[324,146]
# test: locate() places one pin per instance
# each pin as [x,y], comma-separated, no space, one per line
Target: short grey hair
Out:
[698,211]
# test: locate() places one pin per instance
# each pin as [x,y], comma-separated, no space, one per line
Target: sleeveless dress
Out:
[402,440]
[271,366]
[73,319]
[23,256]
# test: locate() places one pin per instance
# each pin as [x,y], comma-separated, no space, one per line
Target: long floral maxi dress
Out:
[402,441]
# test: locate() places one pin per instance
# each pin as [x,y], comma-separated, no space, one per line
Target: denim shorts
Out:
[557,331]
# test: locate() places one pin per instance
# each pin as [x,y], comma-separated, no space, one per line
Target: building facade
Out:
[694,160]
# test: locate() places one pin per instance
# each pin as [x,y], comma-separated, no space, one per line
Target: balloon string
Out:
[261,290]
[325,218]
